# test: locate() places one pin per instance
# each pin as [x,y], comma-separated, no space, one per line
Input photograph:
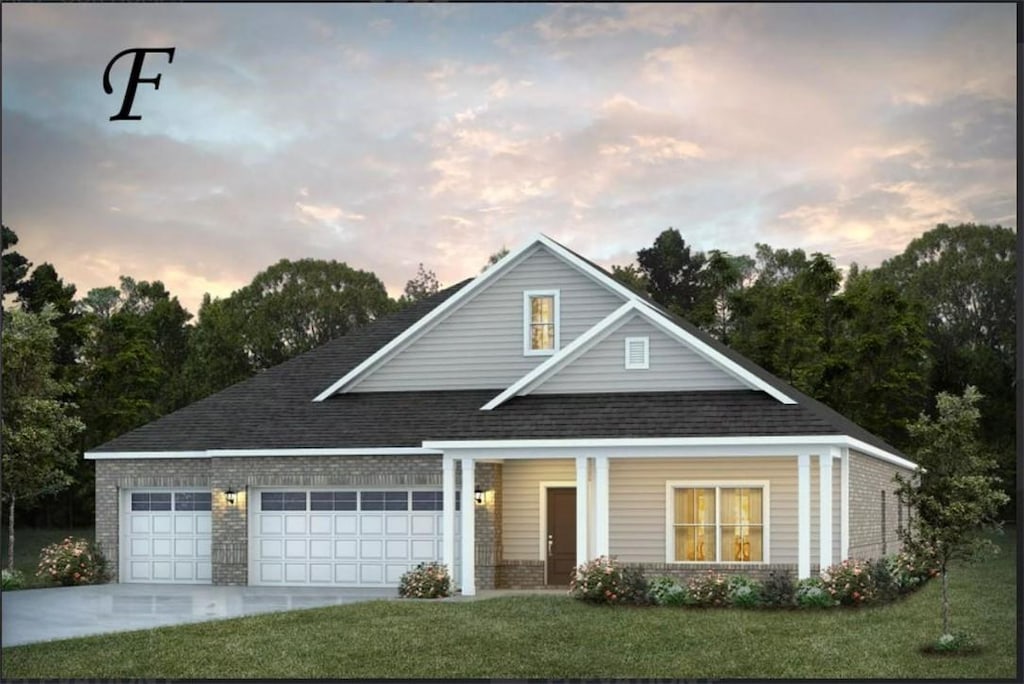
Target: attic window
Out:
[638,353]
[540,322]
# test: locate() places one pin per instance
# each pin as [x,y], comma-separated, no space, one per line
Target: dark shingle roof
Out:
[274,410]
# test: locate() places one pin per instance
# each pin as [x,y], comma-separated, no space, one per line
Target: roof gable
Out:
[630,310]
[488,281]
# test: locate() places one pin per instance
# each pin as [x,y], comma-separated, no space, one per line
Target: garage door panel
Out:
[203,572]
[320,524]
[161,570]
[397,524]
[397,548]
[203,524]
[371,573]
[183,524]
[161,524]
[346,549]
[320,573]
[371,524]
[346,573]
[139,547]
[371,548]
[423,549]
[139,525]
[346,524]
[320,548]
[295,524]
[184,547]
[271,524]
[295,572]
[271,548]
[424,525]
[393,572]
[203,547]
[270,572]
[184,571]
[161,547]
[295,548]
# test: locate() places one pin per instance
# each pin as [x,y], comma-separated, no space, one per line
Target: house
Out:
[512,426]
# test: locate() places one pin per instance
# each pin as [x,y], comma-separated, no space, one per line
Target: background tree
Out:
[13,266]
[953,494]
[630,276]
[964,276]
[673,273]
[39,429]
[45,287]
[495,258]
[420,287]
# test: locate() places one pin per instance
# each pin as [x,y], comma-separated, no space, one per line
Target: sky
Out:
[384,136]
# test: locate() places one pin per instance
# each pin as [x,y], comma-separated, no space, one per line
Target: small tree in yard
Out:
[953,496]
[38,430]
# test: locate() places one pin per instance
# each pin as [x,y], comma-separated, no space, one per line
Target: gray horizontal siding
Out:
[673,366]
[480,345]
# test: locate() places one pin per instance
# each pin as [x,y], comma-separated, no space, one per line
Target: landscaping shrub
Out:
[909,571]
[779,590]
[709,590]
[602,580]
[886,589]
[665,591]
[426,580]
[12,579]
[850,582]
[71,562]
[811,593]
[744,592]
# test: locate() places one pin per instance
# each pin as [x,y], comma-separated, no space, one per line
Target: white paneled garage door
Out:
[342,537]
[166,536]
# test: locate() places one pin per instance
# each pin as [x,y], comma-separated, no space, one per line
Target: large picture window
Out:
[540,319]
[712,523]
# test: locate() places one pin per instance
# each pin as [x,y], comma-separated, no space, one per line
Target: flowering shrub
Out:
[909,571]
[744,592]
[12,579]
[811,593]
[710,589]
[778,590]
[426,580]
[851,582]
[665,591]
[602,580]
[71,562]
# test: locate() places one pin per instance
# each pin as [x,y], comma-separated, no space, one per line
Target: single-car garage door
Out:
[342,537]
[166,536]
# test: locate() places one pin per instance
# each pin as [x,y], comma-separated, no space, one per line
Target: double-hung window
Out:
[540,322]
[717,523]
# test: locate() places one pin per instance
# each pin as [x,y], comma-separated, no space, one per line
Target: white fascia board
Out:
[103,455]
[429,320]
[642,447]
[555,362]
[220,453]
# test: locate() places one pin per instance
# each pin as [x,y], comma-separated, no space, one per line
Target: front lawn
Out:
[552,636]
[28,542]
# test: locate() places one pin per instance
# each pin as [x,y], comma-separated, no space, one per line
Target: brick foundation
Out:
[520,575]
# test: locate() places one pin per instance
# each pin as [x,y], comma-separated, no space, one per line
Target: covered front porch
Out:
[622,504]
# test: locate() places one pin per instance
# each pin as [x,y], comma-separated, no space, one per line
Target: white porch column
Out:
[803,514]
[448,515]
[844,510]
[825,509]
[468,531]
[601,505]
[581,510]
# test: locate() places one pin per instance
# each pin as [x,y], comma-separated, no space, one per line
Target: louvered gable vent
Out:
[638,355]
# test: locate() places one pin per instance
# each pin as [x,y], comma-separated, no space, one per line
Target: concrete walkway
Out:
[34,615]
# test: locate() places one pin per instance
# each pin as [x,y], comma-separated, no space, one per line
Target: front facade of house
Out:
[512,427]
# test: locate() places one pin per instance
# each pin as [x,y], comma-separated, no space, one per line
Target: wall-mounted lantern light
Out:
[478,496]
[229,495]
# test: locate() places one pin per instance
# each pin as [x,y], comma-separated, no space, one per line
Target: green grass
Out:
[554,636]
[28,542]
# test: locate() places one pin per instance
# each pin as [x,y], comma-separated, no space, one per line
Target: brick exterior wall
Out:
[521,575]
[869,477]
[487,526]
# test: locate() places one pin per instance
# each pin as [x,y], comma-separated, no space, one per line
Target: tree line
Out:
[877,345]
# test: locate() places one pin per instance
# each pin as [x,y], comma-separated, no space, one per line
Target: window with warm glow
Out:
[541,313]
[718,524]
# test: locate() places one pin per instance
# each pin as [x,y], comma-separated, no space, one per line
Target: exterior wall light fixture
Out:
[229,495]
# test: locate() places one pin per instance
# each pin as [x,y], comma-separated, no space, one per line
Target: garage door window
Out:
[151,501]
[283,501]
[192,501]
[332,501]
[384,501]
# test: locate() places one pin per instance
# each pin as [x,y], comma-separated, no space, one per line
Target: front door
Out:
[561,541]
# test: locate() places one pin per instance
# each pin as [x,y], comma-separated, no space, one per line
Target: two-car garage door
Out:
[323,536]
[341,537]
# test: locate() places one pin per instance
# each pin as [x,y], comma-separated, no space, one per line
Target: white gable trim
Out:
[605,327]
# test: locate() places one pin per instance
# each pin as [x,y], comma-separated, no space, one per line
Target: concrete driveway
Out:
[33,615]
